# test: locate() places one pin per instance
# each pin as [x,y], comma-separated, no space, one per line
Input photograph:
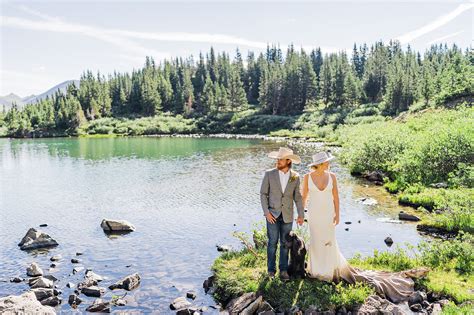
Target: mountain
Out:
[11,98]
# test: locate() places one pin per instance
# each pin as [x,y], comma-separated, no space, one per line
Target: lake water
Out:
[184,195]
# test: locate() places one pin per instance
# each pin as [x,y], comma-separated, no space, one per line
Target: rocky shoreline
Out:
[45,292]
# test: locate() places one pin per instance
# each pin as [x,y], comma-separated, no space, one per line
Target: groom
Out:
[279,190]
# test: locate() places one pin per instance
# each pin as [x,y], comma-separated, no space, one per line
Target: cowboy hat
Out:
[321,157]
[285,153]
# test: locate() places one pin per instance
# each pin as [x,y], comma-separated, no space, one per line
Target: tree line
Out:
[272,82]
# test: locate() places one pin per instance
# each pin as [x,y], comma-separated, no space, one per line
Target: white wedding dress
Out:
[326,262]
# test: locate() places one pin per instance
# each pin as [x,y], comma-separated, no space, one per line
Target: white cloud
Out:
[444,38]
[437,23]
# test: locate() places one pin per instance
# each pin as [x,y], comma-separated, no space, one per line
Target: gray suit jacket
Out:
[276,201]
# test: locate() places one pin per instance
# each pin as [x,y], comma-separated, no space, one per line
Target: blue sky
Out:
[44,43]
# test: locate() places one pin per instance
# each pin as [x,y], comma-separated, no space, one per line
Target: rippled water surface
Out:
[184,195]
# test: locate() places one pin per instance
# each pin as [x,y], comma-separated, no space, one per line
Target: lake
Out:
[184,196]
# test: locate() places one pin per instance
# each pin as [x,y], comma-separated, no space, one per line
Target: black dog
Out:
[297,264]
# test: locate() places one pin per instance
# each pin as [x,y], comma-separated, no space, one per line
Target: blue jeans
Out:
[275,231]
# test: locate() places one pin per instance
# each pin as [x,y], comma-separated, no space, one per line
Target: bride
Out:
[326,262]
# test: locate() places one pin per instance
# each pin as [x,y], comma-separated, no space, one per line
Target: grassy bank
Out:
[450,262]
[416,153]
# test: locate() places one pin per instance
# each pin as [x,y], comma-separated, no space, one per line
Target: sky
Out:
[44,43]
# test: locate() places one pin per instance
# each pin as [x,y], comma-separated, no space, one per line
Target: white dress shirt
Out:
[284,178]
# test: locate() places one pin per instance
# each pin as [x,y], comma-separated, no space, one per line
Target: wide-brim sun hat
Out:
[321,157]
[285,153]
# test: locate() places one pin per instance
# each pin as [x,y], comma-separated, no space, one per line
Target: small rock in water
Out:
[93,291]
[53,265]
[347,229]
[43,225]
[52,301]
[55,258]
[348,222]
[17,280]
[77,269]
[74,300]
[358,221]
[93,276]
[191,295]
[70,285]
[367,201]
[34,270]
[180,303]
[78,254]
[223,248]
[388,240]
[116,226]
[75,261]
[128,283]
[35,239]
[99,305]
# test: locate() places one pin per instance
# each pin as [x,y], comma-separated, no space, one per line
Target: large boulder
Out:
[24,304]
[117,226]
[128,283]
[35,239]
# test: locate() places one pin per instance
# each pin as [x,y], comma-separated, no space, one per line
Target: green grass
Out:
[241,271]
[450,263]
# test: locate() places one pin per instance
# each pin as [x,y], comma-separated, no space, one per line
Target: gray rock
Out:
[52,301]
[17,280]
[367,201]
[388,240]
[439,185]
[223,248]
[208,284]
[77,269]
[128,283]
[41,282]
[43,293]
[120,302]
[93,276]
[265,307]
[417,297]
[35,239]
[34,270]
[180,303]
[252,307]
[24,304]
[374,304]
[99,305]
[238,304]
[416,307]
[74,300]
[193,310]
[436,309]
[93,291]
[116,226]
[191,295]
[407,217]
[56,258]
